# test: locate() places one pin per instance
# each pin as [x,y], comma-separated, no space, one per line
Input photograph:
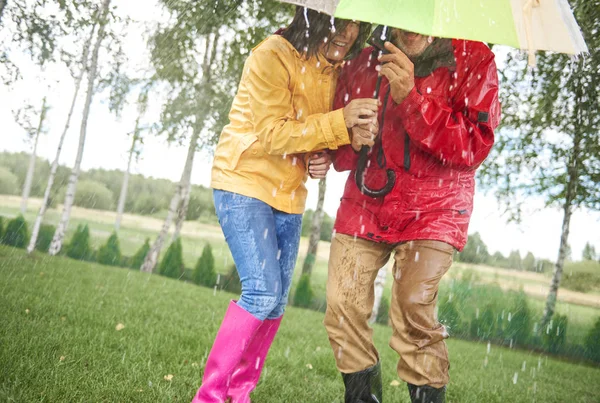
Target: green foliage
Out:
[16,233]
[581,281]
[449,315]
[171,264]
[519,326]
[201,204]
[79,246]
[1,227]
[555,334]
[514,260]
[44,239]
[204,273]
[589,252]
[592,342]
[383,313]
[475,250]
[326,225]
[8,182]
[137,259]
[304,295]
[484,325]
[529,263]
[93,195]
[231,282]
[110,253]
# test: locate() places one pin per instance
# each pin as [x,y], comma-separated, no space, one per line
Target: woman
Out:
[279,117]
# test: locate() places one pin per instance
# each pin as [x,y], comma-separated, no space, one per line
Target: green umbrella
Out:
[524,24]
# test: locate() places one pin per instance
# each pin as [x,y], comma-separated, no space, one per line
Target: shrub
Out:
[304,294]
[581,281]
[484,326]
[519,324]
[383,313]
[231,281]
[8,182]
[592,342]
[44,239]
[172,263]
[79,246]
[555,334]
[1,227]
[147,204]
[450,317]
[15,233]
[110,252]
[204,273]
[93,195]
[137,259]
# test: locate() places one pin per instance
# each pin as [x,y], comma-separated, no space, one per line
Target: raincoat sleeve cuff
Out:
[335,131]
[411,103]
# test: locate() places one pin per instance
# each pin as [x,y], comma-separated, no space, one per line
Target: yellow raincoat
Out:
[281,111]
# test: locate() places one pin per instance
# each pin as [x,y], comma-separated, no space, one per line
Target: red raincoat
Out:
[434,141]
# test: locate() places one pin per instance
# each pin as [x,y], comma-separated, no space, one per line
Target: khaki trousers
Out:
[417,336]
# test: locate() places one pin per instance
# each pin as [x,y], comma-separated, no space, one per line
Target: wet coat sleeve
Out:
[344,158]
[460,134]
[279,128]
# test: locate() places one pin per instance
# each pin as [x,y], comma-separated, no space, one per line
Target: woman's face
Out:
[336,48]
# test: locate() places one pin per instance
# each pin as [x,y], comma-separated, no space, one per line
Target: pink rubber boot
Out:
[234,336]
[246,375]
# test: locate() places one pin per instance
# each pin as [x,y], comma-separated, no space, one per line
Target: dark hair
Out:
[308,39]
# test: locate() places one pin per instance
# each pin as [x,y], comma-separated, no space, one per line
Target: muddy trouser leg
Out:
[417,336]
[353,267]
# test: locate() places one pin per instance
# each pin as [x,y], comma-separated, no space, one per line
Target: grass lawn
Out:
[60,343]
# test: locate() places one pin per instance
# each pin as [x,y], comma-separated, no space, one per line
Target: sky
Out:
[107,144]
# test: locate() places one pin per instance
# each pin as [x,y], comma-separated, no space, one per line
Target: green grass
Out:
[57,307]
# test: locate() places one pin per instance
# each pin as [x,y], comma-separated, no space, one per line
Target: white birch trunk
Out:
[379,286]
[40,217]
[152,256]
[123,195]
[32,158]
[59,235]
[183,206]
[315,230]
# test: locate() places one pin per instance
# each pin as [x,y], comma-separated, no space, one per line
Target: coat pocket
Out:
[241,148]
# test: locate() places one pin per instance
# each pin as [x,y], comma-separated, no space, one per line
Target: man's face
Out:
[413,45]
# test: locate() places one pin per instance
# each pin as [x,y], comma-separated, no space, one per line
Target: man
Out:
[439,110]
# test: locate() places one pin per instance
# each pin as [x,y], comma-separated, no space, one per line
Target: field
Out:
[60,343]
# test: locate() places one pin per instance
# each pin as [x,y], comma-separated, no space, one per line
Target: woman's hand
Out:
[364,135]
[361,111]
[318,164]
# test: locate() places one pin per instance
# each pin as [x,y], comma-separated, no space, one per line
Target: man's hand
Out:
[364,135]
[399,71]
[360,111]
[318,165]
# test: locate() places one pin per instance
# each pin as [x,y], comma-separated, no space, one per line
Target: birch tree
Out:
[34,135]
[315,230]
[58,238]
[549,145]
[83,62]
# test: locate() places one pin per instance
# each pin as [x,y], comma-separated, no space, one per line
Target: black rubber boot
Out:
[364,386]
[426,394]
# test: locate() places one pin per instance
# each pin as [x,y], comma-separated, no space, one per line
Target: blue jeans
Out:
[264,244]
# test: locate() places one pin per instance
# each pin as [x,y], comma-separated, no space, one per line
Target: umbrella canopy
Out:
[524,24]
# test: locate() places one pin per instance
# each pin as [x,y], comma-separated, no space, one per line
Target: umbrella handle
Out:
[359,176]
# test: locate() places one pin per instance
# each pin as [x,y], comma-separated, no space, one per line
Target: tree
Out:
[475,251]
[172,263]
[201,86]
[53,170]
[79,247]
[34,134]
[315,230]
[514,260]
[72,186]
[589,252]
[549,145]
[133,151]
[140,255]
[15,233]
[529,263]
[204,273]
[304,293]
[110,253]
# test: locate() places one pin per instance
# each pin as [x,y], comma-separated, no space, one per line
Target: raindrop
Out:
[362,229]
[325,40]
[336,53]
[476,313]
[284,155]
[318,64]
[429,90]
[274,192]
[332,20]
[266,233]
[339,354]
[293,195]
[303,70]
[523,366]
[485,361]
[215,291]
[278,254]
[306,17]
[430,39]
[294,160]
[416,256]
[358,90]
[384,32]
[489,346]
[287,352]
[257,363]
[479,76]
[299,115]
[515,378]
[346,98]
